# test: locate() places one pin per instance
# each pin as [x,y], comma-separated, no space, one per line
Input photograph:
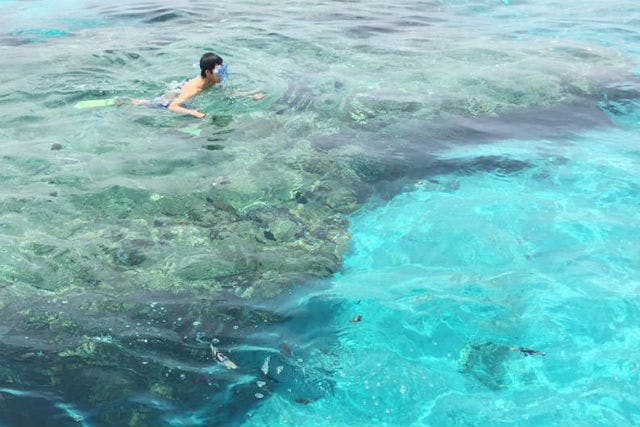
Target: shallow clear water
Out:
[462,175]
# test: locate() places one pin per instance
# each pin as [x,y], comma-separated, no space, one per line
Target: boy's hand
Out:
[257,96]
[198,114]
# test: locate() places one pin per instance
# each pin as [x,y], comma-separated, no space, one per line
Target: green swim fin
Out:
[95,103]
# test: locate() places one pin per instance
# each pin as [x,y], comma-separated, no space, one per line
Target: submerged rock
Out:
[134,358]
[486,363]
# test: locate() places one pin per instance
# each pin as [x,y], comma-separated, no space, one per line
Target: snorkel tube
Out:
[221,70]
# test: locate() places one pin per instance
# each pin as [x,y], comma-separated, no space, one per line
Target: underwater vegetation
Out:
[132,278]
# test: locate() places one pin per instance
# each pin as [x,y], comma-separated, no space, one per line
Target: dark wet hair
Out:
[208,61]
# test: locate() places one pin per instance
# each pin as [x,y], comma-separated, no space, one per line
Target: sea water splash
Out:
[475,151]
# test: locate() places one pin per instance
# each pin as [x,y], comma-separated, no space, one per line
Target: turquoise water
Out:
[451,273]
[427,188]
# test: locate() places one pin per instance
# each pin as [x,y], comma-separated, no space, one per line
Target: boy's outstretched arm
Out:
[256,95]
[186,93]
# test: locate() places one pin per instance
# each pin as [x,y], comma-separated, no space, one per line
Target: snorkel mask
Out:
[221,70]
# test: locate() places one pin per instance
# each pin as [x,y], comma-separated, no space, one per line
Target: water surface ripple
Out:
[427,188]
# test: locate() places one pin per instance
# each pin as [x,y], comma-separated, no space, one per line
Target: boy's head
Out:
[208,62]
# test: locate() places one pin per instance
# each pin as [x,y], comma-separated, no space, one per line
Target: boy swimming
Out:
[212,71]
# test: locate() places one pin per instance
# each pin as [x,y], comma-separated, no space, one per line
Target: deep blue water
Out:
[507,218]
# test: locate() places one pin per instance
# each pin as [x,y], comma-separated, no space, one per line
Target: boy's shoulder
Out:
[191,87]
[194,82]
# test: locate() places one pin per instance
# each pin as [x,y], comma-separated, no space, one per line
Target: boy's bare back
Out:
[188,91]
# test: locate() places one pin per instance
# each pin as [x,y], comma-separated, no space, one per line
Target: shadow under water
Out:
[412,150]
[160,359]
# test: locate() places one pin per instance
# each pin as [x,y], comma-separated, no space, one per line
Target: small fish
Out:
[224,360]
[356,319]
[528,351]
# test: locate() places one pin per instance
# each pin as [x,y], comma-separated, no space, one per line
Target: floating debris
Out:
[224,360]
